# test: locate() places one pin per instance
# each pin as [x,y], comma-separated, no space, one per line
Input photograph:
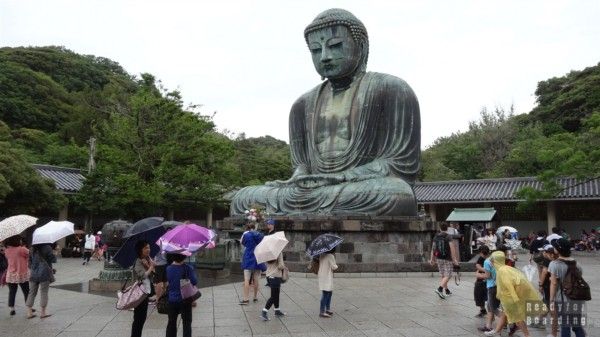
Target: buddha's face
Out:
[334,52]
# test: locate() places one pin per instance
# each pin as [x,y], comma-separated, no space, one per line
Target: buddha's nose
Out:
[325,55]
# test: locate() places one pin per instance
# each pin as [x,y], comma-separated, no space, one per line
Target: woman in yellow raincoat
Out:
[515,292]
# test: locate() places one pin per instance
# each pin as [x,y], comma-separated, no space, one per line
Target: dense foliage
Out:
[153,154]
[560,137]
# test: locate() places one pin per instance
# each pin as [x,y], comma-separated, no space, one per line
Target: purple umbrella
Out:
[187,238]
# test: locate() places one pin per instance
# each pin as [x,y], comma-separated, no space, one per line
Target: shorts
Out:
[160,274]
[251,274]
[445,267]
[493,304]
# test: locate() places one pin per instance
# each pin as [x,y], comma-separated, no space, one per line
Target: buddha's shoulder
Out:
[386,80]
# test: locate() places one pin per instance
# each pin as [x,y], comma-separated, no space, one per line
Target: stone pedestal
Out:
[378,244]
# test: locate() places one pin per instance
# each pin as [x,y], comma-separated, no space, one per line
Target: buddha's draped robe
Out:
[379,163]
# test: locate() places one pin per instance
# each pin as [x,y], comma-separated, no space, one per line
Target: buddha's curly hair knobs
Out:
[341,17]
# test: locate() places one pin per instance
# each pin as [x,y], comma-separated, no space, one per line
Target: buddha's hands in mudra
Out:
[310,180]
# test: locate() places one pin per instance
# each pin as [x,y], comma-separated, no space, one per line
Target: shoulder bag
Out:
[132,296]
[189,292]
[285,274]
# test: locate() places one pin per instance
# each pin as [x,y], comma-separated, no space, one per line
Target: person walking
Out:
[89,247]
[143,270]
[41,275]
[442,256]
[480,289]
[560,303]
[514,292]
[252,270]
[274,276]
[327,265]
[177,271]
[17,271]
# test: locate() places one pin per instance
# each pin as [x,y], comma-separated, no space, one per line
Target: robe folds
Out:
[379,164]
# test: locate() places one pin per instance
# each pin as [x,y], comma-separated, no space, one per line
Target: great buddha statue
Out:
[354,138]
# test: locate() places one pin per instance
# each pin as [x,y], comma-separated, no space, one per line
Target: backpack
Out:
[441,246]
[573,284]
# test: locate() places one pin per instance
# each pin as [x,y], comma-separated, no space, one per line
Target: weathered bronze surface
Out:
[354,138]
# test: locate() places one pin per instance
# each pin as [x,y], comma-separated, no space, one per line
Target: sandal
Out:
[246,302]
[46,316]
[32,316]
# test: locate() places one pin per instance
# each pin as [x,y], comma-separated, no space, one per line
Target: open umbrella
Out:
[52,232]
[186,238]
[171,223]
[501,229]
[126,255]
[322,244]
[143,225]
[270,247]
[15,225]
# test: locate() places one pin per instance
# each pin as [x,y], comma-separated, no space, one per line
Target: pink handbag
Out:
[131,296]
[189,292]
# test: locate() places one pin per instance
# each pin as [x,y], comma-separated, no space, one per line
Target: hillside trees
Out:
[154,155]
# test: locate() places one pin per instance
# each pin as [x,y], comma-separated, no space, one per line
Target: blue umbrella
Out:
[143,225]
[126,255]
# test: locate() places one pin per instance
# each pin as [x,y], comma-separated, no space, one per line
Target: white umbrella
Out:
[15,225]
[52,232]
[501,229]
[270,247]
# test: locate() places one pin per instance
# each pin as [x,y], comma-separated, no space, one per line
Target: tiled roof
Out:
[67,180]
[496,190]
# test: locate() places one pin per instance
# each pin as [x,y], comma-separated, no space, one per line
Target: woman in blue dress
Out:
[250,239]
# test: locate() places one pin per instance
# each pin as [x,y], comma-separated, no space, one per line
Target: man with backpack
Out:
[441,254]
[568,290]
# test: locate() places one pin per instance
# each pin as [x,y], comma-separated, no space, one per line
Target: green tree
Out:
[22,190]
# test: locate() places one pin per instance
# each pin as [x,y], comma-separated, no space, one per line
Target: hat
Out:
[563,246]
[547,247]
[99,232]
[270,222]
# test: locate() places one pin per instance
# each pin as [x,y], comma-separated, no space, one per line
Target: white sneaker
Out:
[491,333]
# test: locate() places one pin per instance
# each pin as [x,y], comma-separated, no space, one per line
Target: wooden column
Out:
[209,219]
[432,212]
[551,215]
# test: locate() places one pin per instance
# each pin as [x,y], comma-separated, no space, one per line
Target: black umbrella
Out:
[143,225]
[322,244]
[126,255]
[172,223]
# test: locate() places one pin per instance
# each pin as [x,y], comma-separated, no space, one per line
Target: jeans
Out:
[565,331]
[12,292]
[275,284]
[326,301]
[185,309]
[139,318]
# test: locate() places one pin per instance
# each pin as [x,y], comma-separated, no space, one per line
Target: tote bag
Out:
[131,296]
[189,292]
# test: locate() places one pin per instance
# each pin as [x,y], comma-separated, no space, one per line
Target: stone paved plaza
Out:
[364,305]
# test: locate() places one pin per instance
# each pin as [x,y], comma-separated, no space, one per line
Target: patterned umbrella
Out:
[15,225]
[322,244]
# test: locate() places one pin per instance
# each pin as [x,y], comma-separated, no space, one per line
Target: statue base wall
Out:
[378,244]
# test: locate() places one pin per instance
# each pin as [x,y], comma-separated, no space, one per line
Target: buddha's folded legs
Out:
[380,196]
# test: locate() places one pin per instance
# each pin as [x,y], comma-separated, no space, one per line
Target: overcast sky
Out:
[248,62]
